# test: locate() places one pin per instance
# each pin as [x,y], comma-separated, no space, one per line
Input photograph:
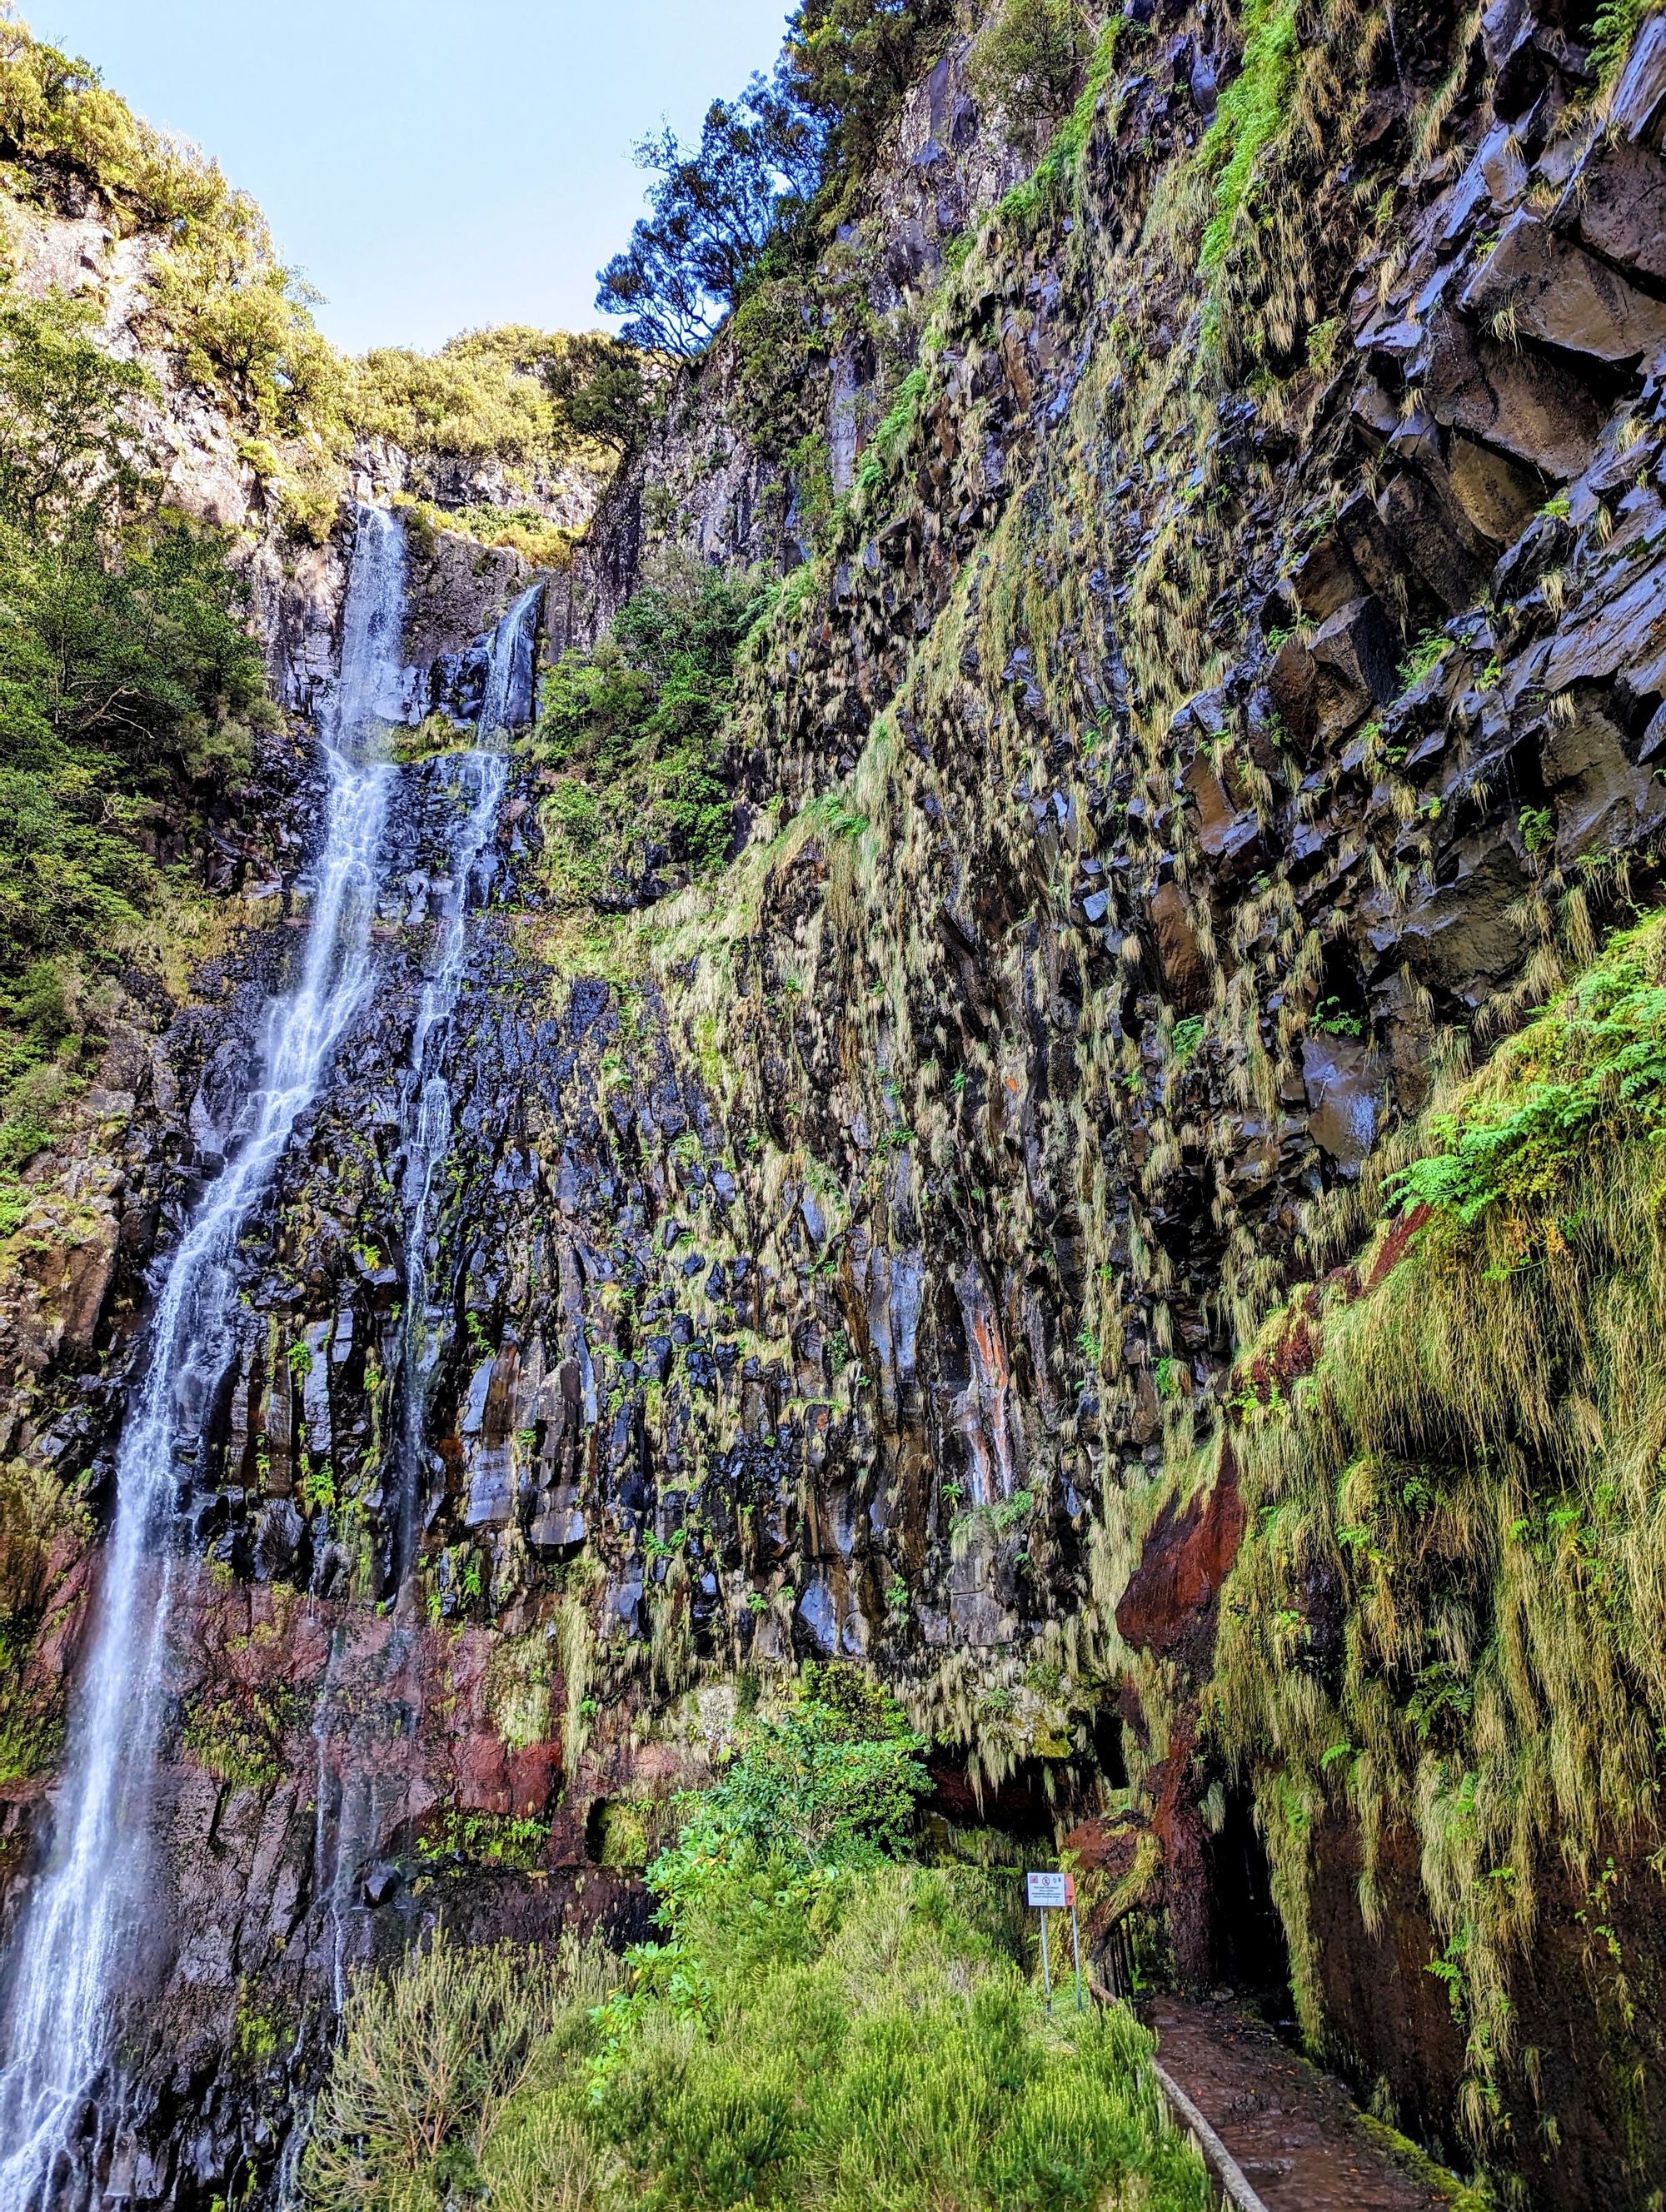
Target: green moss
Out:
[631,1833]
[238,1735]
[496,1839]
[1460,1438]
[1252,109]
[260,2032]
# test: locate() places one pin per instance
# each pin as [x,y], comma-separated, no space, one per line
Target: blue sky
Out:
[430,167]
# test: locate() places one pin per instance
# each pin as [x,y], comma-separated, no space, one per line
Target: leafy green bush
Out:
[514,394]
[872,2046]
[430,2058]
[1613,28]
[823,2028]
[129,687]
[127,675]
[830,1781]
[53,109]
[1595,1065]
[1028,59]
[632,732]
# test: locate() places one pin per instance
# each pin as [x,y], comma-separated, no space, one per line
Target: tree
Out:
[850,63]
[714,213]
[64,431]
[1027,61]
[599,389]
[128,677]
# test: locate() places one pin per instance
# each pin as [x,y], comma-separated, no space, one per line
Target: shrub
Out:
[633,732]
[429,2058]
[129,684]
[1591,1070]
[502,393]
[126,670]
[1029,58]
[831,1780]
[825,2029]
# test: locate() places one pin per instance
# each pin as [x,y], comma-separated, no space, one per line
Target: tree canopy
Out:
[128,681]
[714,213]
[719,214]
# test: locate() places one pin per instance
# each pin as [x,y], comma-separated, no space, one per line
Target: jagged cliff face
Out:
[1225,695]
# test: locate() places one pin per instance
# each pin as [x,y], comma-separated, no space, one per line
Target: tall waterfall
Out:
[348,1822]
[484,772]
[86,1909]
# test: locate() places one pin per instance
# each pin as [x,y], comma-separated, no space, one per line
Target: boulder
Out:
[1616,205]
[1185,970]
[1325,578]
[1625,634]
[1496,495]
[1508,397]
[1290,684]
[1465,935]
[1226,832]
[1343,1078]
[1604,801]
[1434,536]
[1353,664]
[1559,294]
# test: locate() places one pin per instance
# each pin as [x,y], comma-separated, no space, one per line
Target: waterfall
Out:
[484,772]
[482,776]
[87,1905]
[508,700]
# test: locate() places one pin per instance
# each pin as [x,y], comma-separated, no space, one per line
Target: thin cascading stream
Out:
[345,1834]
[484,776]
[83,1916]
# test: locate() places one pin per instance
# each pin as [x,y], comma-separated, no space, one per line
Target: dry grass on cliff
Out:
[1449,1619]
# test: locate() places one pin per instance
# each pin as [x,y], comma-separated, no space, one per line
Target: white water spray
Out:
[484,772]
[343,1844]
[88,1904]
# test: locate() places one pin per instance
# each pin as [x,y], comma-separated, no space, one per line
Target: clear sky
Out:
[429,165]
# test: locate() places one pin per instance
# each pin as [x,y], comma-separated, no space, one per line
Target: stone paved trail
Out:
[1293,2129]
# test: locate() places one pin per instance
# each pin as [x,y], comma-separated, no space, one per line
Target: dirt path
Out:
[1296,2132]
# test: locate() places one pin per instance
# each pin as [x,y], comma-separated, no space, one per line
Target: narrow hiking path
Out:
[1295,2131]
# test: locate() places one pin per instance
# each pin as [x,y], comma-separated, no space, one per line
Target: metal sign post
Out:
[1075,1937]
[1053,1892]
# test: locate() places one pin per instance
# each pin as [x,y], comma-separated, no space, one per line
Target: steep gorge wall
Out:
[1227,694]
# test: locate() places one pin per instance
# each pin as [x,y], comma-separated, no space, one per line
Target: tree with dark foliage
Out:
[744,199]
[713,212]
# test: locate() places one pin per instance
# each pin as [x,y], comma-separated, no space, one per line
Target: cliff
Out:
[1210,700]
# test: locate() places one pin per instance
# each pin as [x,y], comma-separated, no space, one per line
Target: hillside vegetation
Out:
[823,2026]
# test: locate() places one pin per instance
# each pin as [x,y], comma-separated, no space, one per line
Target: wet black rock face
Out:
[1153,778]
